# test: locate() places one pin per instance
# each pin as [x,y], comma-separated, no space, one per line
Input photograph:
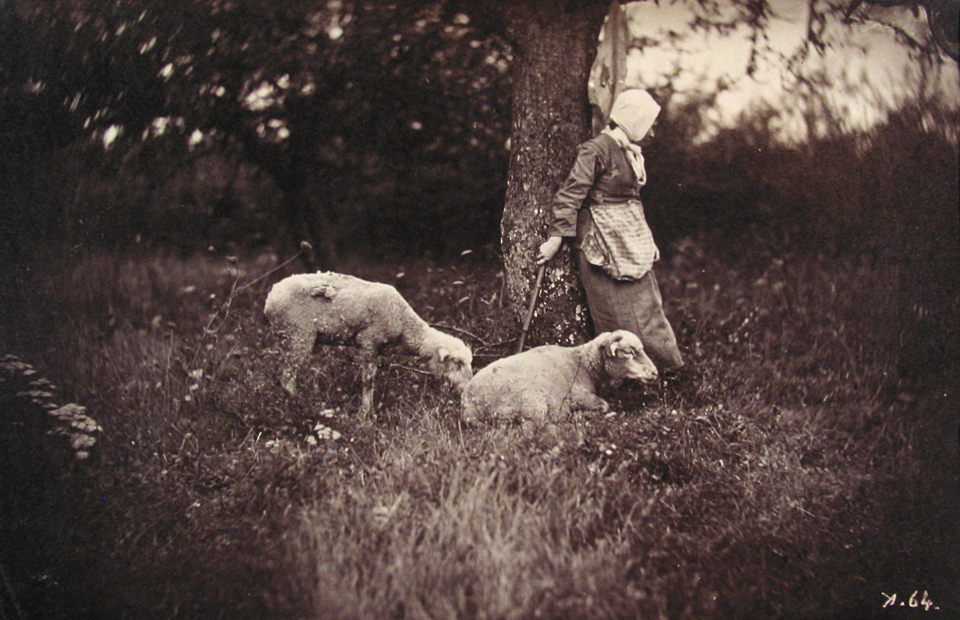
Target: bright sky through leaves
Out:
[866,71]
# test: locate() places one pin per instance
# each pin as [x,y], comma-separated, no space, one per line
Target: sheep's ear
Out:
[612,344]
[443,354]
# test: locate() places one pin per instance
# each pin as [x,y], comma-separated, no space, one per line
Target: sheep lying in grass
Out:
[548,382]
[336,309]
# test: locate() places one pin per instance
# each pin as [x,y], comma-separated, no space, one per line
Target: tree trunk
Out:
[307,221]
[555,43]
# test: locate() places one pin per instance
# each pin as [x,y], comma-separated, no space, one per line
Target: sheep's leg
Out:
[297,344]
[368,372]
[590,402]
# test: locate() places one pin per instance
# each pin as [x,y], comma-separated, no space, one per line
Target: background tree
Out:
[351,108]
[382,124]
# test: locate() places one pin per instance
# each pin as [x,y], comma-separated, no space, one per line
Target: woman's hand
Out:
[548,249]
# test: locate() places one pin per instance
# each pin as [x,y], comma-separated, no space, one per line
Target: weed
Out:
[794,473]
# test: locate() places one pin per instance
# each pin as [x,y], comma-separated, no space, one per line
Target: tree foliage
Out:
[364,114]
[367,126]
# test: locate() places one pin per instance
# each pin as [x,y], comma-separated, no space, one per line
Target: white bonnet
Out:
[634,111]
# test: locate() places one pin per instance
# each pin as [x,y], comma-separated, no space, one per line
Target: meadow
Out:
[804,467]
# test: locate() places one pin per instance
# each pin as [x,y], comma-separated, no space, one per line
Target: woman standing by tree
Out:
[599,206]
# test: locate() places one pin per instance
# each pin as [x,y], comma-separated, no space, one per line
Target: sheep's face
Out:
[624,358]
[452,361]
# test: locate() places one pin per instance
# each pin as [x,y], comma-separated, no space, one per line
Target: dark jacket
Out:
[600,175]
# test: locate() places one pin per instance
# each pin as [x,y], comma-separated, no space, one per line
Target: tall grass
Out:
[792,474]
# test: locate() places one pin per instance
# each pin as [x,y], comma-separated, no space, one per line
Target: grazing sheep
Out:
[331,308]
[548,382]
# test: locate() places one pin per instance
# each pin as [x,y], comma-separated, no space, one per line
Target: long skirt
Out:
[633,305]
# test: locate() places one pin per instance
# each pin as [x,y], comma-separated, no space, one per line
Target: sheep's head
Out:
[451,360]
[624,358]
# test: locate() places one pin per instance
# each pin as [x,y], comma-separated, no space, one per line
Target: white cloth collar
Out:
[633,152]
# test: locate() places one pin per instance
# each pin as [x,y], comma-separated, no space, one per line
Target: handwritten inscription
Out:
[916,600]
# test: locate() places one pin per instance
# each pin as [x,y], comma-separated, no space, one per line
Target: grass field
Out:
[798,471]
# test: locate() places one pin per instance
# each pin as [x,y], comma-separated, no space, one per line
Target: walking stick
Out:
[533,304]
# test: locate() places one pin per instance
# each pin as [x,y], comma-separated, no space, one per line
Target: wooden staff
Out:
[533,304]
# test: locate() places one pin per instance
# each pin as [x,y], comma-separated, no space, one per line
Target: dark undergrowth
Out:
[805,467]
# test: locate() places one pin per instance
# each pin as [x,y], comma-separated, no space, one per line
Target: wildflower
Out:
[325,432]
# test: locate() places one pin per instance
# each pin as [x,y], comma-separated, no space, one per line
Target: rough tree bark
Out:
[555,44]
